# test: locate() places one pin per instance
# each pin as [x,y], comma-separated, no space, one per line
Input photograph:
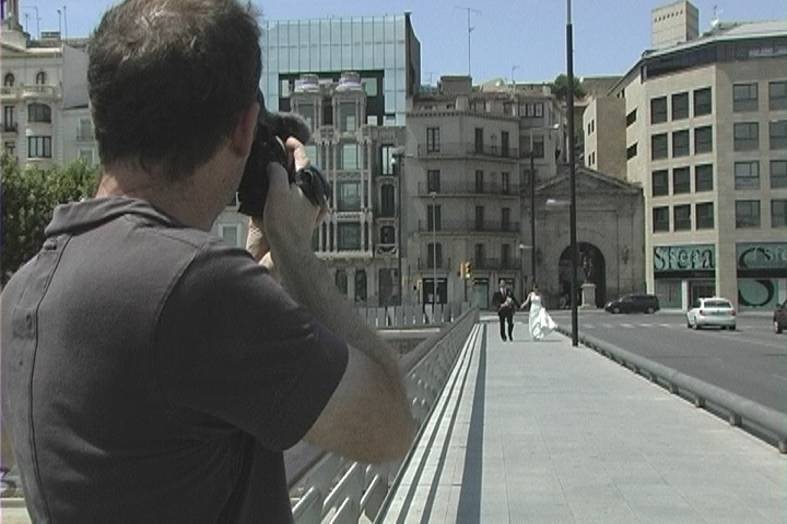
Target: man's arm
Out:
[368,416]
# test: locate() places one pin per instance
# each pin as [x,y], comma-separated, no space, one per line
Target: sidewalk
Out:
[544,432]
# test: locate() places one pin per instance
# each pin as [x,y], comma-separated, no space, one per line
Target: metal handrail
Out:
[740,411]
[324,482]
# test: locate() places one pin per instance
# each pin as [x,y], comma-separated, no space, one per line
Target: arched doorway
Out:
[591,267]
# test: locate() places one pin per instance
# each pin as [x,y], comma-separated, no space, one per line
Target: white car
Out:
[713,311]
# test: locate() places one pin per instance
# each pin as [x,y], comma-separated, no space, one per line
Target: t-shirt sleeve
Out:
[231,344]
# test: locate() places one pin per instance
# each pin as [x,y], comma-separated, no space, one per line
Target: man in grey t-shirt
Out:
[151,373]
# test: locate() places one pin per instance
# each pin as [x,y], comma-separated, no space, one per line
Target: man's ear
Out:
[243,135]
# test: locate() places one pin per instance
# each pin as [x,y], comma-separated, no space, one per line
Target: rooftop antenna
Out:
[470,29]
[716,15]
[65,21]
[38,21]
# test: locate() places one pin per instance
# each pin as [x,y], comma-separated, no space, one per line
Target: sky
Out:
[523,37]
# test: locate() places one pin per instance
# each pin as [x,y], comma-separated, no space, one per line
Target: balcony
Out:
[426,265]
[10,128]
[468,149]
[469,188]
[38,91]
[470,226]
[487,263]
[85,135]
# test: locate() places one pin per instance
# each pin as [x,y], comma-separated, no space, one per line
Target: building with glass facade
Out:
[705,127]
[383,50]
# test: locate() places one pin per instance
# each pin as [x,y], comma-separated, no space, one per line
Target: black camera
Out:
[273,129]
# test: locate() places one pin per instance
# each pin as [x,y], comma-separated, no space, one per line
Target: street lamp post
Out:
[533,200]
[522,270]
[434,251]
[572,175]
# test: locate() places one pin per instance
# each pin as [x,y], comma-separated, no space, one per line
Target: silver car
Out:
[713,311]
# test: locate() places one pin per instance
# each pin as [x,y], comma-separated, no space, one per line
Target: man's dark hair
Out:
[169,79]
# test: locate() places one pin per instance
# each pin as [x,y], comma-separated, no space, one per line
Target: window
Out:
[744,97]
[747,175]
[778,134]
[681,180]
[660,219]
[433,181]
[504,143]
[229,233]
[387,235]
[9,120]
[348,160]
[480,255]
[434,257]
[704,213]
[658,146]
[660,183]
[10,148]
[631,118]
[538,147]
[285,88]
[434,219]
[39,147]
[777,95]
[387,152]
[387,201]
[39,113]
[747,213]
[658,110]
[340,279]
[680,106]
[349,195]
[703,177]
[778,213]
[505,182]
[479,218]
[85,133]
[778,174]
[349,236]
[479,139]
[8,80]
[682,217]
[370,86]
[348,120]
[432,139]
[479,181]
[40,78]
[505,219]
[505,256]
[680,143]
[327,112]
[631,151]
[746,136]
[702,102]
[360,285]
[703,140]
[86,157]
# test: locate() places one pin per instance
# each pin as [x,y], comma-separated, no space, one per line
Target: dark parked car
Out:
[634,303]
[780,317]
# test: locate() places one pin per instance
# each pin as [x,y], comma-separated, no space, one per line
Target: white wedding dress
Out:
[540,324]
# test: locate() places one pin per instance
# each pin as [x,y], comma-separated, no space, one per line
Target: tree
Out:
[29,197]
[560,87]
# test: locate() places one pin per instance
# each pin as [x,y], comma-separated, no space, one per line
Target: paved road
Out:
[751,362]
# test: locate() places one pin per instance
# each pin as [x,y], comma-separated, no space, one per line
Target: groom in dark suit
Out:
[503,299]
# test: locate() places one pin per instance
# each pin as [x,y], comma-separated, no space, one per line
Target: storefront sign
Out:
[668,259]
[762,255]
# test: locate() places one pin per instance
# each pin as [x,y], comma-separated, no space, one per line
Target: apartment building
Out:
[464,176]
[705,123]
[360,236]
[46,119]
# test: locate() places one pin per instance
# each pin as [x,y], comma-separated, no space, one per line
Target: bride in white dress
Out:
[540,323]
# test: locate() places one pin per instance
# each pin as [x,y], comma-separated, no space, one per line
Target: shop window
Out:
[360,285]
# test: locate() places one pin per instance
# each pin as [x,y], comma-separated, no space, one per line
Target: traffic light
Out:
[468,272]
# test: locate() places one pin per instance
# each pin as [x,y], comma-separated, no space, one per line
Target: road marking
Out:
[608,326]
[667,325]
[588,326]
[646,325]
[780,377]
[629,326]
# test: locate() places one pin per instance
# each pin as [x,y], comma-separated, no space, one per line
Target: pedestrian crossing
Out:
[626,325]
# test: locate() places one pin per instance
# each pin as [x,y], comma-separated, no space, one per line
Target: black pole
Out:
[572,176]
[532,216]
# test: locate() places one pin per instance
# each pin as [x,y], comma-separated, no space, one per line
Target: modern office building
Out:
[705,126]
[46,119]
[383,50]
